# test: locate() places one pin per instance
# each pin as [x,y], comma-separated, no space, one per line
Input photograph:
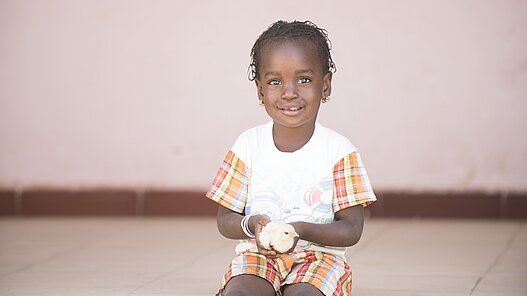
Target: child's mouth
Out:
[291,110]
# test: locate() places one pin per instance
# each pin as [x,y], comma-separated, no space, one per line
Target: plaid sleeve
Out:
[230,186]
[351,184]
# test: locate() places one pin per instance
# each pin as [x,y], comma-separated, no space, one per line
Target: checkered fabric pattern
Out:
[229,188]
[351,184]
[329,273]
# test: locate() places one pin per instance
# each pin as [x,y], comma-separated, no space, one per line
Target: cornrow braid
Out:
[296,30]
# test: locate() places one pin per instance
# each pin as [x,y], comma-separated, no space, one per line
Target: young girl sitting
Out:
[291,170]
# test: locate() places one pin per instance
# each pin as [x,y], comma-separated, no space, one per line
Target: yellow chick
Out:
[279,236]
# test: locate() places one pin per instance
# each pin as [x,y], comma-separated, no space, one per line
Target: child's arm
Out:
[229,223]
[344,232]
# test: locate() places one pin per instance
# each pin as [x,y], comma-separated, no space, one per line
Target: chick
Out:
[279,236]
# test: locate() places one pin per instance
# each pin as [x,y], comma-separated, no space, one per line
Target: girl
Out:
[291,170]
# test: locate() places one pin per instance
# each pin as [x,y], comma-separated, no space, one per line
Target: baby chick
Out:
[280,236]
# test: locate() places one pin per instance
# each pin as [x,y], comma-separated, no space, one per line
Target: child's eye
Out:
[304,80]
[274,82]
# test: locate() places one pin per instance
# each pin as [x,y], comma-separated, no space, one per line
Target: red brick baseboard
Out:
[451,205]
[178,203]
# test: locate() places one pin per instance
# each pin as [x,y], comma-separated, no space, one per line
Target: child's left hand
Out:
[259,221]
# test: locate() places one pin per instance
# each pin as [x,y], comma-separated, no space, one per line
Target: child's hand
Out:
[259,221]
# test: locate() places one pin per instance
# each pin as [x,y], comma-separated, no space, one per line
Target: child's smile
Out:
[292,83]
[291,110]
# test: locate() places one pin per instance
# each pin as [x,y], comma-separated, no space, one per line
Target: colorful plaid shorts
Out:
[329,273]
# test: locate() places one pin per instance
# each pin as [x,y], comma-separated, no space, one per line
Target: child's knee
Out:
[301,289]
[248,285]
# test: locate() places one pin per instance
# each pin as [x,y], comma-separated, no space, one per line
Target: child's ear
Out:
[326,84]
[259,89]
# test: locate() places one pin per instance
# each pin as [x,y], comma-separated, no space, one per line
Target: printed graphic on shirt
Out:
[266,203]
[315,207]
[320,200]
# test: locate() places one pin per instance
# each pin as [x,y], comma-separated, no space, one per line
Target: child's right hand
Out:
[258,222]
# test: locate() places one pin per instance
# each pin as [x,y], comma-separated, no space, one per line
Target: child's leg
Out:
[301,289]
[328,274]
[247,284]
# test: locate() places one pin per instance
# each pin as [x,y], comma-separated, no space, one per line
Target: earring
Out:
[325,99]
[261,102]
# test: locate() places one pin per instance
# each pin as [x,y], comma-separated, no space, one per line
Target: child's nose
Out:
[289,91]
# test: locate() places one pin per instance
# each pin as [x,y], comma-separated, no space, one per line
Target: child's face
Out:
[292,83]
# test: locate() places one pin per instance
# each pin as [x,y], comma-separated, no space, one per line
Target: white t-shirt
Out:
[257,178]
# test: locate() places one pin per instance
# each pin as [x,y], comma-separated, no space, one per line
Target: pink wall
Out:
[153,93]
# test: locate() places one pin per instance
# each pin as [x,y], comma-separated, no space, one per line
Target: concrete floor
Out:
[187,256]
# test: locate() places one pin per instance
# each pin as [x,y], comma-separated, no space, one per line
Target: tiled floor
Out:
[187,256]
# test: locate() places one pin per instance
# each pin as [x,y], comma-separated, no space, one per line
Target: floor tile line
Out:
[507,245]
[75,248]
[175,269]
[44,260]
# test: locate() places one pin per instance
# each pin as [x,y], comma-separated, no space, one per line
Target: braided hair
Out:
[294,31]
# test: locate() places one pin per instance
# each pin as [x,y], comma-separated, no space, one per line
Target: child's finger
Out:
[270,254]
